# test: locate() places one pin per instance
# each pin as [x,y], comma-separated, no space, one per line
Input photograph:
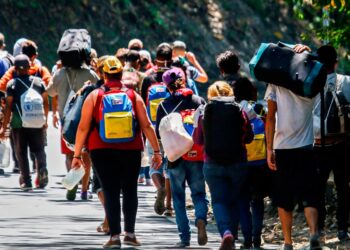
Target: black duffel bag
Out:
[74,48]
[279,64]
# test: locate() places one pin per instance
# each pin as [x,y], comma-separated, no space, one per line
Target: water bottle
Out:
[73,177]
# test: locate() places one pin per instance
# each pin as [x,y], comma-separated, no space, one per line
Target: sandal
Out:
[102,229]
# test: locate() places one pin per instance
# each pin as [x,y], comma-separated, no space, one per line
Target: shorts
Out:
[163,169]
[64,148]
[296,179]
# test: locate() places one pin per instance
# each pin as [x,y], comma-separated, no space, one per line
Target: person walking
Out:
[289,137]
[27,101]
[182,171]
[116,159]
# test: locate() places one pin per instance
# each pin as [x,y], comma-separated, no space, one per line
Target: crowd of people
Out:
[241,148]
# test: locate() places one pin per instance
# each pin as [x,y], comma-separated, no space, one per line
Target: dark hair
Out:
[132,56]
[228,62]
[29,48]
[117,76]
[328,56]
[121,54]
[164,52]
[243,89]
[2,39]
[176,84]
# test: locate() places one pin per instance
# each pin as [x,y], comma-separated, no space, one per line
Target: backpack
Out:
[6,61]
[74,48]
[337,110]
[115,113]
[72,114]
[256,150]
[191,84]
[281,65]
[223,130]
[32,107]
[175,139]
[131,79]
[156,93]
[189,120]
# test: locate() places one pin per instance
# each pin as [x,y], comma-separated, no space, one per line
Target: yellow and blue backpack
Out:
[157,92]
[115,113]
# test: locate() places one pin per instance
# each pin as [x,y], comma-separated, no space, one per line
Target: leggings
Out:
[118,171]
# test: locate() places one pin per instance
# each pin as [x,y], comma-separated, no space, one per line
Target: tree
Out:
[329,20]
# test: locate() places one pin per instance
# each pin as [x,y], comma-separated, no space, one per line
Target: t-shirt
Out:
[15,88]
[294,124]
[67,79]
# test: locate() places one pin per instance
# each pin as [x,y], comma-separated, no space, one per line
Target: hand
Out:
[157,160]
[55,121]
[271,161]
[299,48]
[191,57]
[77,163]
[45,125]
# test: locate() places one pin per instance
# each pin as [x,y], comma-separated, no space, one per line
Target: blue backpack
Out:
[6,61]
[115,115]
[157,92]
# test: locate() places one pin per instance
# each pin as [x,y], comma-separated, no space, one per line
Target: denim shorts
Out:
[163,170]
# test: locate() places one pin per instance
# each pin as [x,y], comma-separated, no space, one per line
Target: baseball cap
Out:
[179,44]
[171,75]
[112,65]
[22,62]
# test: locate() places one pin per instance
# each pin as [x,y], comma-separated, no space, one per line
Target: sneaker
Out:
[71,194]
[42,178]
[246,245]
[131,241]
[168,212]
[182,244]
[315,242]
[141,180]
[148,182]
[227,242]
[86,195]
[15,170]
[112,244]
[202,233]
[159,203]
[257,242]
[26,187]
[286,247]
[343,236]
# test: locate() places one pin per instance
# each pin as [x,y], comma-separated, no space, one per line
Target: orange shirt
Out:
[35,69]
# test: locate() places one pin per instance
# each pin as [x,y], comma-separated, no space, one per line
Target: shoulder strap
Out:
[166,112]
[69,82]
[340,112]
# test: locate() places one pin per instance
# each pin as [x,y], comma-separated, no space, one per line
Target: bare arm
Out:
[270,133]
[7,115]
[202,77]
[55,117]
[46,105]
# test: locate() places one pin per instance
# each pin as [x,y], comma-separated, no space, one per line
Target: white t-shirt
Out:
[294,126]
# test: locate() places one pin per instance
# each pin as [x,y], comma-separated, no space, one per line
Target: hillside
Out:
[207,26]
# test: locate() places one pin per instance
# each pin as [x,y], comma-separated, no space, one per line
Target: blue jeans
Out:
[192,172]
[225,183]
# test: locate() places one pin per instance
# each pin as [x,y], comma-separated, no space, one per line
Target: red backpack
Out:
[196,152]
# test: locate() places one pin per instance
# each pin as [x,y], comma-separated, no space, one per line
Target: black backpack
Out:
[74,48]
[279,64]
[223,133]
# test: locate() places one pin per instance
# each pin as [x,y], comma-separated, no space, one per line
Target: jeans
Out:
[251,202]
[34,138]
[118,170]
[334,158]
[192,172]
[144,172]
[225,184]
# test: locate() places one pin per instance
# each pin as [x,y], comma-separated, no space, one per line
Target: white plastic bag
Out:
[73,177]
[175,139]
[4,155]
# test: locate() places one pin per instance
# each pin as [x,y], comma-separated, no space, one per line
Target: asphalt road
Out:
[44,219]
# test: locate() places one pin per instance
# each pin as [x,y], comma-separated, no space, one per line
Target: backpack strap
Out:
[166,112]
[340,112]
